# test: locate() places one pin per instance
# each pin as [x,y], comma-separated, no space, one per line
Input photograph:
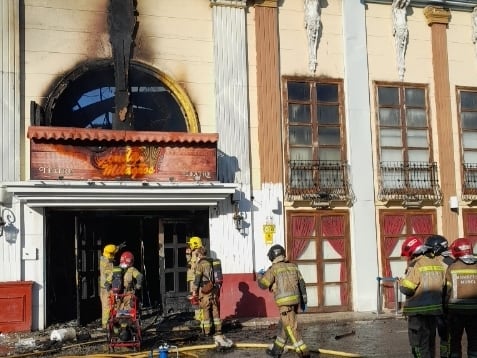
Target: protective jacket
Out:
[423,285]
[132,279]
[192,260]
[105,271]
[204,272]
[461,290]
[284,279]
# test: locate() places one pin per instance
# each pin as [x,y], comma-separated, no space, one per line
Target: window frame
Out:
[466,189]
[402,116]
[314,106]
[408,173]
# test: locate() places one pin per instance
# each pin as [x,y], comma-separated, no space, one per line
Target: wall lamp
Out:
[7,218]
[237,217]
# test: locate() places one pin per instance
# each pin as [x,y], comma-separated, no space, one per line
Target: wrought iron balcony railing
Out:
[318,181]
[469,184]
[409,181]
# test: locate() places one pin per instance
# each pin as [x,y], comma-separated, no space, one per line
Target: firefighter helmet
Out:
[126,259]
[461,247]
[413,246]
[109,251]
[275,251]
[195,242]
[437,243]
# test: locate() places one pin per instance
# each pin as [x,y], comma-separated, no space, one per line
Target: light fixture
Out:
[237,217]
[7,218]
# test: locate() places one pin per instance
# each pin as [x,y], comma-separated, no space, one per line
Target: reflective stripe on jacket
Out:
[286,282]
[461,294]
[423,285]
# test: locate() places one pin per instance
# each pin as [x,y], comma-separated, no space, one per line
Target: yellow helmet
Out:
[195,242]
[109,251]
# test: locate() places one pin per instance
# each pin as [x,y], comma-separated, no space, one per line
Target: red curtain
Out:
[471,225]
[302,227]
[422,224]
[334,226]
[393,226]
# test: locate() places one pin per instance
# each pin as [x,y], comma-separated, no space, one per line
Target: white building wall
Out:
[232,121]
[34,260]
[10,136]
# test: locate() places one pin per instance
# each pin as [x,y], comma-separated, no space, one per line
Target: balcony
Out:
[469,184]
[321,183]
[412,184]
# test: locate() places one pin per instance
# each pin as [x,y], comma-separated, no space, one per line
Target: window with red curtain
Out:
[470,226]
[392,226]
[302,227]
[333,226]
[396,225]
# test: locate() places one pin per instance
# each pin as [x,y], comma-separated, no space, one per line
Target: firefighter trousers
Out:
[422,335]
[288,329]
[458,323]
[209,304]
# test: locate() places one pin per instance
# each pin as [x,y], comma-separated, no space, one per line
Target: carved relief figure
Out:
[312,26]
[400,33]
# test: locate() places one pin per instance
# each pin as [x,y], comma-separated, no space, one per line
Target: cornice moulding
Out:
[462,5]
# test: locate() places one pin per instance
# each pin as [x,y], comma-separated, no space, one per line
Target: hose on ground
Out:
[187,349]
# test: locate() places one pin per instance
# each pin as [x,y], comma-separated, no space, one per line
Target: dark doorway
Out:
[74,244]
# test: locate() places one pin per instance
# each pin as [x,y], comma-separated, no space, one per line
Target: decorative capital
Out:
[436,15]
[266,3]
[229,3]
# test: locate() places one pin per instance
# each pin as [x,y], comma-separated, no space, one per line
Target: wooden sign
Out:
[136,156]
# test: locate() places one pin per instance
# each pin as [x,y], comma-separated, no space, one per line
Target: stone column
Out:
[438,19]
[10,126]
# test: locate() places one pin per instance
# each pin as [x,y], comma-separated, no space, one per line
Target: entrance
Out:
[74,242]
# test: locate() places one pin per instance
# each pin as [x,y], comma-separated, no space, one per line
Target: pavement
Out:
[337,334]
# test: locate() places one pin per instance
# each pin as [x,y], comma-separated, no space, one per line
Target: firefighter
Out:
[284,279]
[106,263]
[132,278]
[461,298]
[440,249]
[208,294]
[194,244]
[423,284]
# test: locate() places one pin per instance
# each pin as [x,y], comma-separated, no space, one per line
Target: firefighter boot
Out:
[275,351]
[221,341]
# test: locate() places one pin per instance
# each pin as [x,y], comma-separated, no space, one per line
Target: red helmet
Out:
[412,246]
[461,247]
[126,260]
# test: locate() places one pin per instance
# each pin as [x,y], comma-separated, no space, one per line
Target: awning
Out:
[80,194]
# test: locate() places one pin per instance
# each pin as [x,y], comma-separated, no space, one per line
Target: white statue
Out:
[312,26]
[474,26]
[400,33]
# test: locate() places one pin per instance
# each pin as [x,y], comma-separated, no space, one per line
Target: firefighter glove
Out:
[261,272]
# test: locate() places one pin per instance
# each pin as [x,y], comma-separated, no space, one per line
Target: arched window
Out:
[85,99]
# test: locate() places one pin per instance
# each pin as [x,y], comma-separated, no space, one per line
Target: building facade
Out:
[335,128]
